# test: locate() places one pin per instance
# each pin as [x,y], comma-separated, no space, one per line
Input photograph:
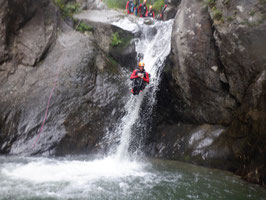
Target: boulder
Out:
[190,143]
[196,69]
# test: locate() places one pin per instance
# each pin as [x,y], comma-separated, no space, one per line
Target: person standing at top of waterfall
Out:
[130,7]
[140,73]
[142,9]
[150,12]
[136,7]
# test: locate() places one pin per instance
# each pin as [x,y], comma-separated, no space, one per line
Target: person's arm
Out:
[153,14]
[146,79]
[139,8]
[146,14]
[133,75]
[127,5]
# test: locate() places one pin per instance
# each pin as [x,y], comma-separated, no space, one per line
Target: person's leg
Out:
[143,85]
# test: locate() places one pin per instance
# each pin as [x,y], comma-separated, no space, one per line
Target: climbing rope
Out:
[49,99]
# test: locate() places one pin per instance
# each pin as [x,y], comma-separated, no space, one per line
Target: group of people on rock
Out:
[141,10]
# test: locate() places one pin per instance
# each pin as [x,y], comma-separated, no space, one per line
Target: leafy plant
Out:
[252,13]
[67,10]
[158,5]
[115,39]
[83,27]
[121,4]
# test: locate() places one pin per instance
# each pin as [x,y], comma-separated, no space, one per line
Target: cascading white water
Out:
[155,45]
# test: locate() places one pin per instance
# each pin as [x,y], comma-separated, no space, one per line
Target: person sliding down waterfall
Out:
[140,79]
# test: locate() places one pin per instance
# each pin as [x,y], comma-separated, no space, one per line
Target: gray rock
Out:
[89,86]
[35,38]
[247,135]
[240,32]
[190,143]
[195,73]
[170,11]
[3,22]
[216,75]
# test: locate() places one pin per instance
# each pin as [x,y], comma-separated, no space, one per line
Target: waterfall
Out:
[155,44]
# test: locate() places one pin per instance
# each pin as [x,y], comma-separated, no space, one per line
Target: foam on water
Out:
[79,178]
[77,172]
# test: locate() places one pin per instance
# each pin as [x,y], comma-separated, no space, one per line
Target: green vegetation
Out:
[217,14]
[115,39]
[157,6]
[230,18]
[252,13]
[211,3]
[67,10]
[83,27]
[116,4]
[120,39]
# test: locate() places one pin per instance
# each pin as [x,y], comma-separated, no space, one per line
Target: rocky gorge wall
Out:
[211,105]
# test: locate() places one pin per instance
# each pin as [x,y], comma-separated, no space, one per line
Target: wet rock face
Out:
[190,143]
[20,17]
[196,70]
[248,132]
[3,15]
[86,91]
[216,75]
[240,36]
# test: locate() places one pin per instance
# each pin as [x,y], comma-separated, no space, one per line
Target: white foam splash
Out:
[75,172]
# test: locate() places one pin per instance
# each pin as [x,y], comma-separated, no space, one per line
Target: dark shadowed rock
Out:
[196,70]
[216,75]
[122,52]
[170,11]
[240,36]
[190,143]
[3,31]
[247,135]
